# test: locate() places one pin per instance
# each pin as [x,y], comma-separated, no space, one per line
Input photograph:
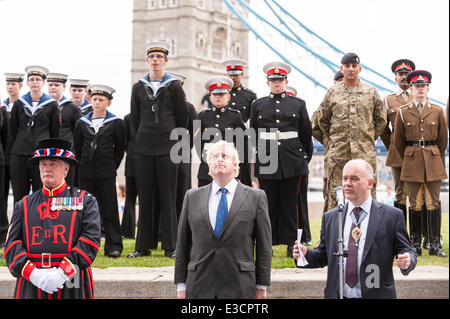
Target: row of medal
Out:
[66,203]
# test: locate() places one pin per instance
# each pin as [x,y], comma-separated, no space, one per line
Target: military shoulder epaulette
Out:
[204,111]
[294,97]
[248,90]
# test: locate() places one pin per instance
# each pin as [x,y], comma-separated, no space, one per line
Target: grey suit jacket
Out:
[386,237]
[227,267]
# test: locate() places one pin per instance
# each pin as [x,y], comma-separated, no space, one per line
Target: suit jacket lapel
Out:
[375,217]
[426,110]
[204,206]
[238,199]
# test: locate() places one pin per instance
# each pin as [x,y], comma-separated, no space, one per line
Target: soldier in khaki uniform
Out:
[421,139]
[351,116]
[392,102]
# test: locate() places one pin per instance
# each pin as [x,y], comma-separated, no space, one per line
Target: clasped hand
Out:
[48,279]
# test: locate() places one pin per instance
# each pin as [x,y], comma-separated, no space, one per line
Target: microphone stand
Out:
[341,253]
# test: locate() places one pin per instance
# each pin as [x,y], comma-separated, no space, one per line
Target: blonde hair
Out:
[229,149]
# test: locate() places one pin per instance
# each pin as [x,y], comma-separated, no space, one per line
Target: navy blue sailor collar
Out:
[45,99]
[85,105]
[5,103]
[108,118]
[28,103]
[168,78]
[64,100]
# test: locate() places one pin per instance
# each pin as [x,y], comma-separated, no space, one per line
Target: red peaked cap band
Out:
[414,79]
[219,86]
[235,67]
[276,71]
[404,66]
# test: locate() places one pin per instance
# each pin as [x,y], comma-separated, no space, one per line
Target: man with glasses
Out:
[351,117]
[158,105]
[34,116]
[281,120]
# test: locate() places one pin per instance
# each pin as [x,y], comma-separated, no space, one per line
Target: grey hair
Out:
[362,164]
[228,149]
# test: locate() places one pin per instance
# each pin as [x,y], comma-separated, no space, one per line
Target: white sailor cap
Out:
[79,83]
[291,91]
[102,90]
[178,76]
[276,70]
[14,77]
[235,66]
[57,77]
[157,46]
[36,70]
[219,84]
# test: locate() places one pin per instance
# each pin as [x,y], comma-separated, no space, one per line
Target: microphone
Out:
[340,197]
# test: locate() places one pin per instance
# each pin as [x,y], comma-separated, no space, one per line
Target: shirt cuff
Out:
[261,287]
[181,287]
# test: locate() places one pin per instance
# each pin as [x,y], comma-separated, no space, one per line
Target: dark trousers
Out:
[128,226]
[184,183]
[23,175]
[282,199]
[105,192]
[3,206]
[302,203]
[156,175]
[6,183]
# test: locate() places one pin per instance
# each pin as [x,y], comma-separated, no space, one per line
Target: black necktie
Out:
[351,267]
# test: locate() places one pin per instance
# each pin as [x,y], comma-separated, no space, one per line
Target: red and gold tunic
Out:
[42,236]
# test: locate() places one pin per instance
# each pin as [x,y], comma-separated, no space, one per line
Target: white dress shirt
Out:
[214,199]
[355,292]
[97,123]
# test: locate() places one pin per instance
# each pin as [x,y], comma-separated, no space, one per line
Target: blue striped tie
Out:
[222,212]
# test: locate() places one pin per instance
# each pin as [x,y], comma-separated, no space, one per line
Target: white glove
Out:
[37,276]
[54,280]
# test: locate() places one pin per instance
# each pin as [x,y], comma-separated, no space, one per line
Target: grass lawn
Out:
[279,259]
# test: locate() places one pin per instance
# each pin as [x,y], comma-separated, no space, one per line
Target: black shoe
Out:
[170,253]
[437,252]
[113,254]
[290,251]
[136,254]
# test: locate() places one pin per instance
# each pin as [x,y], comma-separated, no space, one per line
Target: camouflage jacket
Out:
[352,119]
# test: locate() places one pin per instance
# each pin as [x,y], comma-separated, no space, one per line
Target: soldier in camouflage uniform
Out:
[318,135]
[351,116]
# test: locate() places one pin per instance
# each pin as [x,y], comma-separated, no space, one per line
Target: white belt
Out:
[278,135]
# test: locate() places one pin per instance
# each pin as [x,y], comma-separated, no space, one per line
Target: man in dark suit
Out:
[373,234]
[220,226]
